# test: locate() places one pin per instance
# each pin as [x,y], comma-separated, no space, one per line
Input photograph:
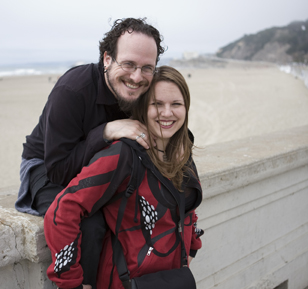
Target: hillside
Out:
[278,44]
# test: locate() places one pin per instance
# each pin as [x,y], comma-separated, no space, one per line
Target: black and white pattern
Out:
[149,214]
[66,258]
[199,232]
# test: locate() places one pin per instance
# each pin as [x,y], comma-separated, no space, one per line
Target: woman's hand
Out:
[189,260]
[86,286]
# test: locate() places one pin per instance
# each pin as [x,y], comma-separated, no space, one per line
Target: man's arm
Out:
[66,148]
[87,193]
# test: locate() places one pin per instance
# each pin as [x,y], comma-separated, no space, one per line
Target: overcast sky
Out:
[69,30]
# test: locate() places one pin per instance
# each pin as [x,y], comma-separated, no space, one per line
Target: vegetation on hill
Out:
[277,44]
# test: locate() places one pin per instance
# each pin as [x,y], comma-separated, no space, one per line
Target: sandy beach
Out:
[234,102]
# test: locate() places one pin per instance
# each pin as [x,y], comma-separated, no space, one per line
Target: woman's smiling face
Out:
[169,115]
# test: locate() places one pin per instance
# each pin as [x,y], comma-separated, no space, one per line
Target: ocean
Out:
[47,68]
[36,68]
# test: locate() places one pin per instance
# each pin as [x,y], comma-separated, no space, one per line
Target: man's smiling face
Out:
[138,49]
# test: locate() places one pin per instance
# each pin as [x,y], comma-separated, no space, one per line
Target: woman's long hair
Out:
[179,148]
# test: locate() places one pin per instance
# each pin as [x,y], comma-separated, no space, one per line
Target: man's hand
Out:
[128,128]
[86,286]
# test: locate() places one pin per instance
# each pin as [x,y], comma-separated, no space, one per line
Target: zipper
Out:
[150,251]
[180,227]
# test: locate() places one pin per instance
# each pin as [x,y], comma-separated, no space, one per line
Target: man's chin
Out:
[127,105]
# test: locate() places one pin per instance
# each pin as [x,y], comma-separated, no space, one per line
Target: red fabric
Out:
[108,174]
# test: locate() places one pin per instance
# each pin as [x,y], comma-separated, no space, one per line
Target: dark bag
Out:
[181,278]
[167,279]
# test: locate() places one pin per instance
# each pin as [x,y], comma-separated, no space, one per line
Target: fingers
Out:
[128,128]
[153,139]
[142,135]
[143,139]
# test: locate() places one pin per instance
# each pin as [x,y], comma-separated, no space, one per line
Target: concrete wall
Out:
[254,212]
[24,255]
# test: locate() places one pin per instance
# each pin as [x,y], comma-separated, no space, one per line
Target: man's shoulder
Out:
[79,77]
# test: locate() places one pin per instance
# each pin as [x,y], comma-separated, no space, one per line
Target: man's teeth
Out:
[131,85]
[166,123]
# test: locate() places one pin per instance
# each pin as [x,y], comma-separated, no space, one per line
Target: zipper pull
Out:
[149,251]
[180,227]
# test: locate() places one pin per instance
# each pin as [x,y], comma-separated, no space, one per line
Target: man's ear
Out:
[107,59]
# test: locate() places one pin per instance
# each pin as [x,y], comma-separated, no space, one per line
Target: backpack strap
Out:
[118,256]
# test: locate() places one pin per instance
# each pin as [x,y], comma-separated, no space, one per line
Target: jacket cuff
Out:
[79,287]
[193,253]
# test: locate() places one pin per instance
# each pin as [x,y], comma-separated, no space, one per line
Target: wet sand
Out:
[234,102]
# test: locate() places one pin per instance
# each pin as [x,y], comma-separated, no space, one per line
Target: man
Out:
[88,108]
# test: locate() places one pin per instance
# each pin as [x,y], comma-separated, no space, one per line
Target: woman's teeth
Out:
[166,123]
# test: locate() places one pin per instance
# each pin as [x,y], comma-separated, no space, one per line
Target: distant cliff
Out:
[278,44]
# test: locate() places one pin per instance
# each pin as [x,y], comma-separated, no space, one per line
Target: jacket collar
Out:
[104,94]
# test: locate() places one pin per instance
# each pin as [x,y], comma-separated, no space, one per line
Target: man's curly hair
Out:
[120,26]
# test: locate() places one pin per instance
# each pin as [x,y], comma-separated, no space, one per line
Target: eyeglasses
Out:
[131,67]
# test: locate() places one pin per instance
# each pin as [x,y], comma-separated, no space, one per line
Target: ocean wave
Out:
[20,72]
[299,71]
[36,69]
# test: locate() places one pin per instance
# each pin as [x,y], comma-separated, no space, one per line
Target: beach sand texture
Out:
[228,103]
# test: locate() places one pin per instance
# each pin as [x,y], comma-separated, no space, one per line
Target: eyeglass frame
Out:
[135,67]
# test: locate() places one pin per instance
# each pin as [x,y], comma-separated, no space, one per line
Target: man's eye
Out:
[147,69]
[128,64]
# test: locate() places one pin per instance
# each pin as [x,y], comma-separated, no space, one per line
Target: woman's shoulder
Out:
[117,151]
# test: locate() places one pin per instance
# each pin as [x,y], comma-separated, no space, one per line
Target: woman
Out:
[150,218]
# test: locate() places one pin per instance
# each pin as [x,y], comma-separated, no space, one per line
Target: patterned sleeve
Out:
[196,242]
[84,195]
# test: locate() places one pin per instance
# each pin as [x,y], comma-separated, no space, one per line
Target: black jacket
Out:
[70,129]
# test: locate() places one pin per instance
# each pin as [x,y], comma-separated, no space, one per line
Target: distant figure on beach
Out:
[87,110]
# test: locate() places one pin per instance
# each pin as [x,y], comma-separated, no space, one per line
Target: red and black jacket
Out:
[149,228]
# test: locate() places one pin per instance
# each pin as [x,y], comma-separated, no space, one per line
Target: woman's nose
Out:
[166,111]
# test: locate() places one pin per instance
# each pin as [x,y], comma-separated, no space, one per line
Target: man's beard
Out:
[124,104]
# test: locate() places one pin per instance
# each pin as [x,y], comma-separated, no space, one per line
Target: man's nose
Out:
[136,76]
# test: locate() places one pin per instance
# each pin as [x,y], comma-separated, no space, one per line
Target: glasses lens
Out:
[147,70]
[127,66]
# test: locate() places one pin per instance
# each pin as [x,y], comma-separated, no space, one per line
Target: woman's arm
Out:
[89,191]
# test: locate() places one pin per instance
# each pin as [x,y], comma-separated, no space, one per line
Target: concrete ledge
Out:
[254,214]
[22,238]
[24,255]
[226,166]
